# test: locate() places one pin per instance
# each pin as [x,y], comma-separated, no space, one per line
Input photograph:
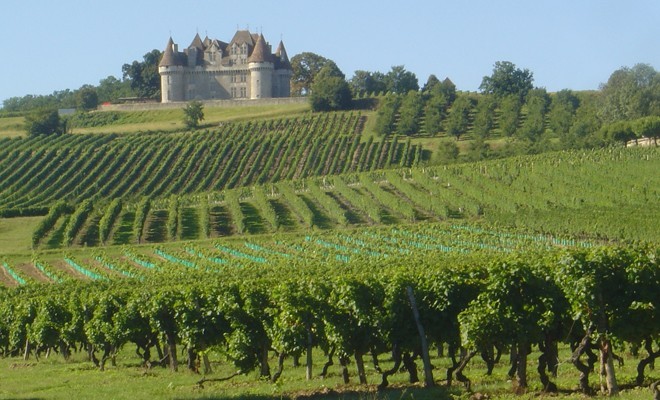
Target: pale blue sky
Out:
[53,45]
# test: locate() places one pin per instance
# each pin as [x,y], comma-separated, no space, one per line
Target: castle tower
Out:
[171,70]
[283,73]
[261,68]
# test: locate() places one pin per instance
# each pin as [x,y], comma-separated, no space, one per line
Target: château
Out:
[244,68]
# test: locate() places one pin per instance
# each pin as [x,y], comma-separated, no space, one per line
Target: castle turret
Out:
[171,73]
[195,52]
[261,67]
[283,73]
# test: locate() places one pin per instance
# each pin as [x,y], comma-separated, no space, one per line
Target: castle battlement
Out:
[209,69]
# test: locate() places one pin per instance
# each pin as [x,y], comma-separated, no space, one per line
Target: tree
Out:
[584,131]
[87,99]
[410,113]
[400,81]
[457,122]
[58,99]
[447,152]
[144,77]
[46,122]
[386,114]
[484,118]
[630,93]
[330,91]
[562,111]
[305,66]
[647,127]
[537,106]
[364,82]
[111,88]
[506,79]
[448,89]
[509,115]
[435,112]
[620,131]
[431,83]
[193,113]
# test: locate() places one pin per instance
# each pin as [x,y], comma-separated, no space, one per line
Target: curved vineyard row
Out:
[526,191]
[37,171]
[322,247]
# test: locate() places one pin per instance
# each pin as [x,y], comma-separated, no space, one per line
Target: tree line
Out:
[139,79]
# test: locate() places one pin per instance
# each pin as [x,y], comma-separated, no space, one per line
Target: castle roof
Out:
[258,50]
[170,57]
[197,43]
[261,52]
[245,36]
[281,58]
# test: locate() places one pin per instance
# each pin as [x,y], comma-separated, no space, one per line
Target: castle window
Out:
[243,77]
[243,92]
[233,92]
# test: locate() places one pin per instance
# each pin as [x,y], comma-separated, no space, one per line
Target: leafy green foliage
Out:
[330,91]
[143,75]
[108,219]
[193,114]
[87,98]
[400,81]
[508,80]
[410,113]
[484,119]
[365,82]
[458,120]
[46,122]
[630,93]
[46,224]
[386,115]
[352,309]
[509,115]
[305,67]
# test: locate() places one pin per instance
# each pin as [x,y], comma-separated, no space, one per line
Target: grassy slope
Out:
[16,234]
[171,119]
[11,127]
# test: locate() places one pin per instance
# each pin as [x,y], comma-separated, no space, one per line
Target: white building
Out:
[244,68]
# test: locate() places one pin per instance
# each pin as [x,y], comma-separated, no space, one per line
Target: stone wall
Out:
[207,103]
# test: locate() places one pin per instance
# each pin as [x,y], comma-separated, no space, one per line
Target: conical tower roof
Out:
[169,58]
[260,54]
[282,57]
[197,42]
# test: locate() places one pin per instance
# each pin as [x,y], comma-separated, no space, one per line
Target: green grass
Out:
[16,234]
[172,119]
[12,127]
[54,378]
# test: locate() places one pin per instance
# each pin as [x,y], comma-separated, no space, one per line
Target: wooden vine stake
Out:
[428,373]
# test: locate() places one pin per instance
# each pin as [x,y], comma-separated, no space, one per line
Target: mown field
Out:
[263,239]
